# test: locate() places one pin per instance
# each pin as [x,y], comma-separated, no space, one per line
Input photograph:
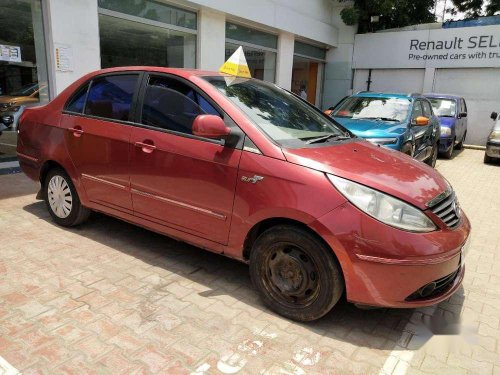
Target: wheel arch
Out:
[268,223]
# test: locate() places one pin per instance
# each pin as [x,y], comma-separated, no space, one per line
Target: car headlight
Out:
[445,131]
[494,135]
[383,207]
[382,141]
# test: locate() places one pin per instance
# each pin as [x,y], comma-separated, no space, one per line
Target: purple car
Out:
[452,113]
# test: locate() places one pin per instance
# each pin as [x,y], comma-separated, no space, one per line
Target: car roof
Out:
[442,96]
[186,73]
[371,94]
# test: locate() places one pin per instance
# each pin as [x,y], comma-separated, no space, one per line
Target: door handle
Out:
[77,131]
[146,147]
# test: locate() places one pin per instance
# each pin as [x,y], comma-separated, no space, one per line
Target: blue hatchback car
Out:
[452,113]
[402,122]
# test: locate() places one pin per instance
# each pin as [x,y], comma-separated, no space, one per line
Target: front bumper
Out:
[385,266]
[493,149]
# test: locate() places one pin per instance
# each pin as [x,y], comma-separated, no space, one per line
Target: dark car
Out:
[399,121]
[452,113]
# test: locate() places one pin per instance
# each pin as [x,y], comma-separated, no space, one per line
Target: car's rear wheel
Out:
[449,152]
[431,160]
[460,145]
[62,199]
[295,273]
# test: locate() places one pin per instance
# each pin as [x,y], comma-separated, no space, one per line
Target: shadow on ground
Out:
[377,328]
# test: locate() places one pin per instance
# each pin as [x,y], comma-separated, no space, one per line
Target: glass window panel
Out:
[262,64]
[23,67]
[111,96]
[252,36]
[309,50]
[172,105]
[154,11]
[128,43]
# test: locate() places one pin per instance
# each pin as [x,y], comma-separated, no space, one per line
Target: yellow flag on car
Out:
[236,65]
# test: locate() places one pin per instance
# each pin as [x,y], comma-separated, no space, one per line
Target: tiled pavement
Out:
[109,297]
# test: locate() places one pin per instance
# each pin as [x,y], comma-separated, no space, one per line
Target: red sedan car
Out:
[249,170]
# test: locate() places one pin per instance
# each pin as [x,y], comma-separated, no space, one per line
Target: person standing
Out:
[303,92]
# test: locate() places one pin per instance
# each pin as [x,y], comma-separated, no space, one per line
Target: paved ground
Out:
[109,297]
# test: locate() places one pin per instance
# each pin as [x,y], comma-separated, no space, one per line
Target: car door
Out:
[98,126]
[419,133]
[177,179]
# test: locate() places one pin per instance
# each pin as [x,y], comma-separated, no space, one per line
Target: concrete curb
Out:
[474,147]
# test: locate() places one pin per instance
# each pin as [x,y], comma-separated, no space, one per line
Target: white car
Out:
[493,143]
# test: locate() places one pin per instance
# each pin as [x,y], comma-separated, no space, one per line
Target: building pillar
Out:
[211,39]
[429,79]
[284,65]
[73,24]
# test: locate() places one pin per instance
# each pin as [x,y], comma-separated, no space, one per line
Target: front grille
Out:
[434,288]
[448,210]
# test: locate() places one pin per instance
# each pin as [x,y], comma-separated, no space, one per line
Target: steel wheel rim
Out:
[291,277]
[59,196]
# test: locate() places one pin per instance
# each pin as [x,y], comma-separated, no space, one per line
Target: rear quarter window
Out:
[77,101]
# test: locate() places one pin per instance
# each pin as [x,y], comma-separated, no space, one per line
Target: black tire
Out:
[431,160]
[407,149]
[460,145]
[487,159]
[449,152]
[65,217]
[313,282]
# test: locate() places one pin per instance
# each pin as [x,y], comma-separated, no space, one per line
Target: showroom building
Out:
[47,44]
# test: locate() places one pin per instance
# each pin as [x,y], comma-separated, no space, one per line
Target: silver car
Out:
[493,143]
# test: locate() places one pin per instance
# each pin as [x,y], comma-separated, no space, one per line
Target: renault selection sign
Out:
[438,48]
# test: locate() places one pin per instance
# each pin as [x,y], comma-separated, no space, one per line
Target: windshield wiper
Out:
[378,118]
[325,138]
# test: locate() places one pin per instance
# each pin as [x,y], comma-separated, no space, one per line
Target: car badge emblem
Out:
[253,179]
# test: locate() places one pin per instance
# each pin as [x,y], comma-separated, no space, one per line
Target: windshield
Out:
[285,118]
[26,90]
[374,108]
[444,107]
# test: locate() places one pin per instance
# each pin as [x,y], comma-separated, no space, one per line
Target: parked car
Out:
[402,122]
[26,95]
[9,118]
[452,113]
[493,143]
[251,171]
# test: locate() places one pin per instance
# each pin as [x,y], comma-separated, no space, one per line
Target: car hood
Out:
[17,99]
[386,170]
[447,121]
[372,128]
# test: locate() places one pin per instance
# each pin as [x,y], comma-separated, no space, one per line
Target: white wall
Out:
[73,23]
[211,39]
[390,80]
[338,67]
[309,19]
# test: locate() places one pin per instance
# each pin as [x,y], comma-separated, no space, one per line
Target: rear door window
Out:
[111,96]
[172,105]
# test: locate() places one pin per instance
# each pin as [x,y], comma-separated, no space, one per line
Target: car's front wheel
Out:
[62,199]
[295,273]
[460,145]
[487,159]
[449,152]
[431,160]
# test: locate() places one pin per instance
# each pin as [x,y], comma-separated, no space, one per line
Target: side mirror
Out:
[494,115]
[421,121]
[462,115]
[210,126]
